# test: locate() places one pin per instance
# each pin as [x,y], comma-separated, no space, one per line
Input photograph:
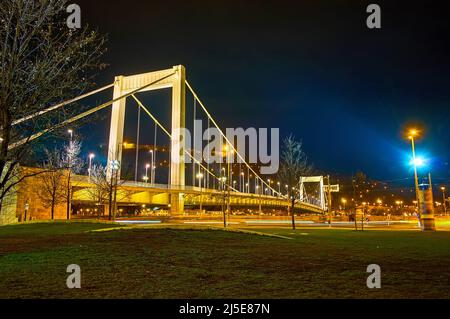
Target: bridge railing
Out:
[196,190]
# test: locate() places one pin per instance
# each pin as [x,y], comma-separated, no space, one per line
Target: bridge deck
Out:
[158,194]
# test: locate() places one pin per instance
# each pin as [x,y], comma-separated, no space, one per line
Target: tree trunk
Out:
[110,203]
[69,196]
[53,210]
[293,214]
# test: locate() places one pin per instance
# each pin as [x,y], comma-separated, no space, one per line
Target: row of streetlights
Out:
[152,167]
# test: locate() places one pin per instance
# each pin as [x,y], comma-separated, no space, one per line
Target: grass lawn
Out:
[187,263]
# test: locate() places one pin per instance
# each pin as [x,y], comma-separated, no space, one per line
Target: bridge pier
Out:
[174,78]
[177,166]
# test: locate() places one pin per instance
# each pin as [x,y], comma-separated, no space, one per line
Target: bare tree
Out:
[105,190]
[42,63]
[72,163]
[294,164]
[51,191]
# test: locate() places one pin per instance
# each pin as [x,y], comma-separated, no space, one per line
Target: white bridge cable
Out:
[170,136]
[55,107]
[228,141]
[82,115]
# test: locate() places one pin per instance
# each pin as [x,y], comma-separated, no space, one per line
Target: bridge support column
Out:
[177,166]
[117,125]
[174,78]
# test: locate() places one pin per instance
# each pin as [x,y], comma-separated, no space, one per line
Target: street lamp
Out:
[416,162]
[200,178]
[115,168]
[147,166]
[344,201]
[444,202]
[91,157]
[152,172]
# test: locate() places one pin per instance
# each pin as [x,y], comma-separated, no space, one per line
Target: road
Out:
[443,225]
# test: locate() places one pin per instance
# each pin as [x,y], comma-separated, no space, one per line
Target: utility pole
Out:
[431,188]
[230,177]
[69,175]
[223,180]
[138,133]
[413,133]
[329,201]
[444,200]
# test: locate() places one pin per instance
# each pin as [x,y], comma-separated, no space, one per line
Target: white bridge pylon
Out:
[313,179]
[174,78]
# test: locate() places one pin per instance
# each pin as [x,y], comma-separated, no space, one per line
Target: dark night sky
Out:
[312,68]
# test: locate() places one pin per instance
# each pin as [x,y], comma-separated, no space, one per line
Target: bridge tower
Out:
[175,79]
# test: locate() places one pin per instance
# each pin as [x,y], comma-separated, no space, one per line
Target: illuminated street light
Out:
[115,165]
[153,170]
[147,166]
[444,202]
[418,162]
[91,157]
[70,131]
[344,201]
[200,179]
[412,134]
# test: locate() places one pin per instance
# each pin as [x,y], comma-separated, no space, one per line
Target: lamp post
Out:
[152,171]
[412,134]
[344,201]
[229,152]
[91,157]
[69,177]
[70,131]
[147,166]
[200,179]
[224,180]
[259,191]
[115,168]
[443,200]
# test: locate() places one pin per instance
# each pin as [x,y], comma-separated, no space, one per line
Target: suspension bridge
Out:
[198,183]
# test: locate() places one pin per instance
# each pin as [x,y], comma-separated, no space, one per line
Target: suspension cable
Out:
[55,107]
[82,115]
[170,136]
[194,183]
[138,135]
[226,139]
[154,155]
